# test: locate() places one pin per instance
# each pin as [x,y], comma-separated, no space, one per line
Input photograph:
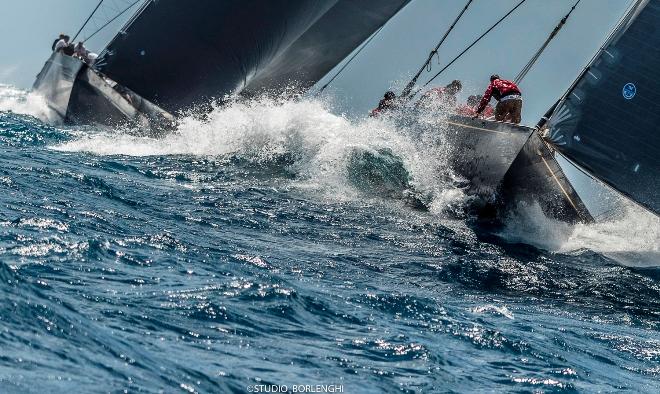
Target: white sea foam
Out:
[25,103]
[493,309]
[319,142]
[632,238]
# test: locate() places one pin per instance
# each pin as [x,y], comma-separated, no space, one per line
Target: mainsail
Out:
[183,53]
[609,121]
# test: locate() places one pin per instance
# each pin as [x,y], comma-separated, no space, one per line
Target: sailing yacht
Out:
[173,56]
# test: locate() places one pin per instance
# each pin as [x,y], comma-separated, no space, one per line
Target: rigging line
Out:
[605,184]
[622,21]
[468,48]
[113,19]
[411,84]
[87,21]
[125,27]
[521,75]
[364,45]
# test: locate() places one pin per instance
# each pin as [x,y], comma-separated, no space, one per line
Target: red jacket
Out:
[468,110]
[498,88]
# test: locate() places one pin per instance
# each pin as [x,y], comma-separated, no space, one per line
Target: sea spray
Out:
[317,145]
[25,103]
[318,148]
[631,238]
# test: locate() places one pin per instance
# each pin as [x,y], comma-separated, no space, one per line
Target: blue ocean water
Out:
[274,244]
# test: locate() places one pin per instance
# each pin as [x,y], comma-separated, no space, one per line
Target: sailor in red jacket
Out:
[509,99]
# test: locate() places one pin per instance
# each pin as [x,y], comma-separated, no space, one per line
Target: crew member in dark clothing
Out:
[385,104]
[61,43]
[509,99]
[69,49]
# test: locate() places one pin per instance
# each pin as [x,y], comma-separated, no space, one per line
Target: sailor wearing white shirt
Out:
[56,41]
[61,44]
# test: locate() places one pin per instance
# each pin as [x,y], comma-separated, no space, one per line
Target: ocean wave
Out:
[632,237]
[323,150]
[26,103]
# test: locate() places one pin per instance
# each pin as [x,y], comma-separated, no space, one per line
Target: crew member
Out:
[385,104]
[61,37]
[62,43]
[509,99]
[69,49]
[81,52]
[445,96]
[470,108]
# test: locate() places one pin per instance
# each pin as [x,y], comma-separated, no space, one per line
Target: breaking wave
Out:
[631,238]
[25,103]
[321,149]
[348,159]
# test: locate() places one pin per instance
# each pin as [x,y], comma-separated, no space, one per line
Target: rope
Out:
[538,53]
[112,20]
[468,48]
[427,64]
[87,21]
[364,45]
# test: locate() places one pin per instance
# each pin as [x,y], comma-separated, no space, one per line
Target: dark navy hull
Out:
[507,164]
[79,95]
[536,177]
[55,82]
[482,151]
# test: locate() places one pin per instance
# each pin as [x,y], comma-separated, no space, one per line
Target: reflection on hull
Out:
[509,164]
[482,151]
[535,176]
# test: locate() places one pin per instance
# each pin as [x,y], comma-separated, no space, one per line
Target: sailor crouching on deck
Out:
[470,108]
[61,43]
[83,54]
[445,97]
[387,103]
[509,106]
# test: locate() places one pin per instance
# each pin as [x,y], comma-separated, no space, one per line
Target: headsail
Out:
[609,121]
[181,53]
